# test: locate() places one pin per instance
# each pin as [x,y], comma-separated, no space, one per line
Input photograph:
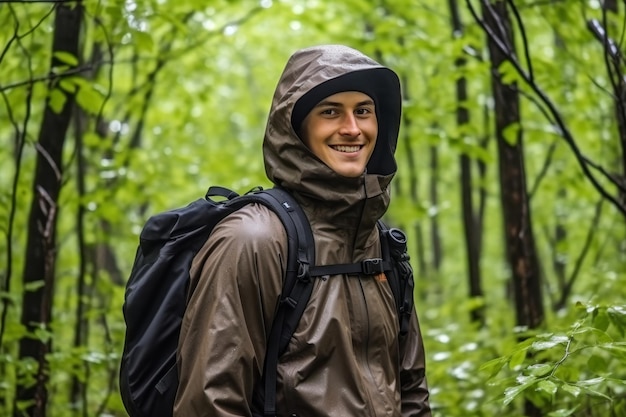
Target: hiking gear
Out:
[157,292]
[348,334]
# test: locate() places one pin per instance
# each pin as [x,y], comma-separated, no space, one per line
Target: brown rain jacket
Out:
[345,358]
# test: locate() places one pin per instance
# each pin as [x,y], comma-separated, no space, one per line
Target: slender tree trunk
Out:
[41,245]
[435,234]
[413,183]
[559,262]
[471,231]
[518,229]
[519,238]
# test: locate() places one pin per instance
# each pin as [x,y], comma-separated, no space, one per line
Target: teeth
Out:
[344,148]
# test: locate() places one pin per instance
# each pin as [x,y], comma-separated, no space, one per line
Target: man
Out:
[330,138]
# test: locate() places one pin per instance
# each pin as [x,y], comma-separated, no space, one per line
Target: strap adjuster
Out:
[304,273]
[373,266]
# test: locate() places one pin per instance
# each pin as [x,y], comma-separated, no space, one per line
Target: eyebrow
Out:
[336,104]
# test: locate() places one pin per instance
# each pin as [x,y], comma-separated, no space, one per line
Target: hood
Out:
[318,72]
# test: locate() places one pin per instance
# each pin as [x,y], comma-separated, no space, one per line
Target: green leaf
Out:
[517,358]
[510,133]
[572,389]
[143,41]
[596,393]
[493,366]
[553,341]
[512,392]
[562,412]
[56,100]
[66,58]
[597,364]
[617,315]
[540,369]
[508,73]
[89,99]
[547,386]
[617,349]
[601,320]
[67,85]
[34,285]
[42,334]
[591,382]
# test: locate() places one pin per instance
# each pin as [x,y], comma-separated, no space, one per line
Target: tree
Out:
[472,218]
[171,97]
[519,237]
[41,249]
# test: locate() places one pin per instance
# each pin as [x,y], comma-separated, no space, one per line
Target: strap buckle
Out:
[304,273]
[373,266]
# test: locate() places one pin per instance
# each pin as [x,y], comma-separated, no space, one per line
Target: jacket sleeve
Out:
[236,280]
[414,388]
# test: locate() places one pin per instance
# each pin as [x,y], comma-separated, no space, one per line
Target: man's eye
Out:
[329,111]
[363,111]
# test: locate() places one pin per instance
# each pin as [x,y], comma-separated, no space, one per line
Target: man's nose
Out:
[349,126]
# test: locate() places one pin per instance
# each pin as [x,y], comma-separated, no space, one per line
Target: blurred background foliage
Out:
[166,98]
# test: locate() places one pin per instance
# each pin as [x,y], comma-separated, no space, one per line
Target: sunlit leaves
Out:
[557,368]
[56,100]
[66,58]
[191,84]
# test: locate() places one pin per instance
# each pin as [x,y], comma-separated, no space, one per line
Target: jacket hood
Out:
[309,76]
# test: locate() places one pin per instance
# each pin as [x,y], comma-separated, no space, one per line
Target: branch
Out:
[565,132]
[176,54]
[543,171]
[598,31]
[522,30]
[583,254]
[17,36]
[49,77]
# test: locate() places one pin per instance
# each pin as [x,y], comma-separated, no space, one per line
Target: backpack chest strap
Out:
[371,266]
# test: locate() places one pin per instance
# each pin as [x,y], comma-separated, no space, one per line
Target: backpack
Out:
[156,292]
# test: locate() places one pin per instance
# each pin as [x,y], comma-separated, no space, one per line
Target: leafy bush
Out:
[580,371]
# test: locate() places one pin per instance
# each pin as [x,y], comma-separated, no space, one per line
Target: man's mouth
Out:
[347,148]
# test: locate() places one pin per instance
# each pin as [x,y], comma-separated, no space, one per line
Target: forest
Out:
[511,180]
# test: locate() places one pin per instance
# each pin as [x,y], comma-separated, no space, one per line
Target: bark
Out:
[41,243]
[610,5]
[519,239]
[471,231]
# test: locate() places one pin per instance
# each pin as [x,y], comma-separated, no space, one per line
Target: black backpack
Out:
[156,292]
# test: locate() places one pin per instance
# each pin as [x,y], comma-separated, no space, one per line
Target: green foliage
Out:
[569,372]
[173,97]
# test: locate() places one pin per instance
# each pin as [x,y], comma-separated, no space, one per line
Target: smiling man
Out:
[341,131]
[330,139]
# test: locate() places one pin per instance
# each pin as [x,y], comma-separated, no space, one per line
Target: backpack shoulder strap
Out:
[297,283]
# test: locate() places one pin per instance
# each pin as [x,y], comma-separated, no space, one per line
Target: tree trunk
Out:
[519,239]
[435,234]
[471,231]
[520,244]
[413,183]
[41,246]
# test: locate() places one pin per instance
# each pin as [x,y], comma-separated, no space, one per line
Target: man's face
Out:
[341,130]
